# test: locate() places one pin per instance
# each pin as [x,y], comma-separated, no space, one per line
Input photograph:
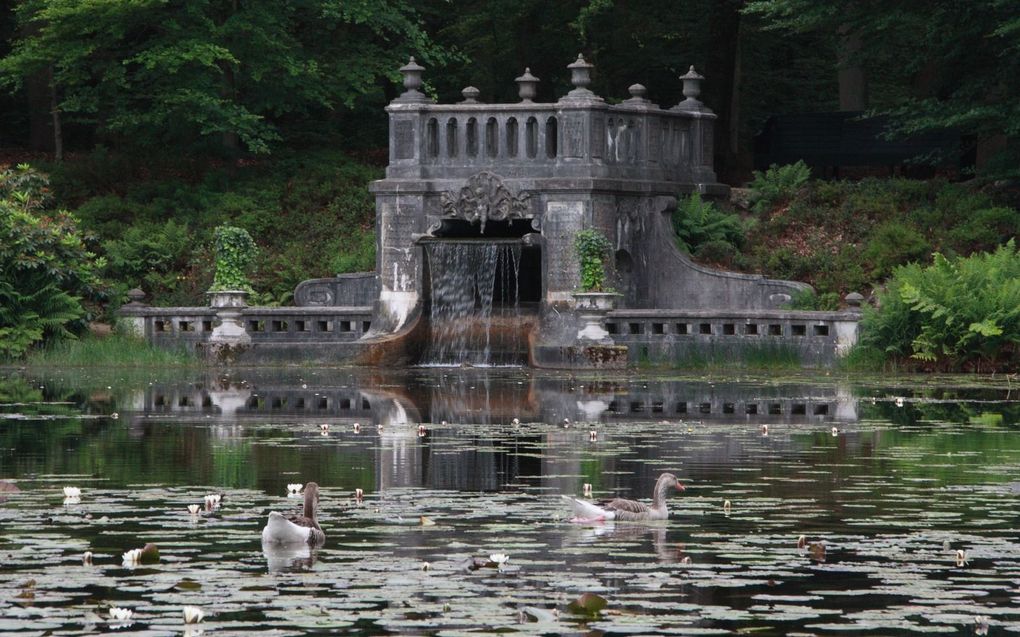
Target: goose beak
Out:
[680,487]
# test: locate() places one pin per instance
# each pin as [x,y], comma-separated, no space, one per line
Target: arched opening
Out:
[511,137]
[624,266]
[491,137]
[550,138]
[432,137]
[472,137]
[451,137]
[531,137]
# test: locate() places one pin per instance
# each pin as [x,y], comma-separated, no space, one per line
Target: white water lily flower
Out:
[86,558]
[132,557]
[324,426]
[835,432]
[193,509]
[294,489]
[899,402]
[499,558]
[212,500]
[72,492]
[587,489]
[192,614]
[120,614]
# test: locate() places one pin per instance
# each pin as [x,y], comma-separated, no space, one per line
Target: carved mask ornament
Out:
[485,197]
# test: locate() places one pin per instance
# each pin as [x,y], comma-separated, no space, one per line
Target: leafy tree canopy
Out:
[941,63]
[157,72]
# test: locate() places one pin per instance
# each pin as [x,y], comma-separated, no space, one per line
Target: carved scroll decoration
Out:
[485,197]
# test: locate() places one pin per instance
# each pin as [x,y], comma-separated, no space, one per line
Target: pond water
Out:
[906,493]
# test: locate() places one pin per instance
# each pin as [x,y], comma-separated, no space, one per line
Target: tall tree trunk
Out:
[853,83]
[37,97]
[742,161]
[58,131]
[724,30]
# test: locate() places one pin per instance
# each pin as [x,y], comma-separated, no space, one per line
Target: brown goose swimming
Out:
[296,529]
[627,510]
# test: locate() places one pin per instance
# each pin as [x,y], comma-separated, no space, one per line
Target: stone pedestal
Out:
[591,308]
[230,330]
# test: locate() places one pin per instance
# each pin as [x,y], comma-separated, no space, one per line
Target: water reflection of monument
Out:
[478,448]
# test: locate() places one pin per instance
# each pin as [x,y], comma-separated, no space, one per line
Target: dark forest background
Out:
[230,79]
[130,130]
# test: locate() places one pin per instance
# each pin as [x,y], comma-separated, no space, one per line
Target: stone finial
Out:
[692,89]
[854,301]
[470,94]
[637,96]
[412,82]
[135,296]
[580,77]
[527,84]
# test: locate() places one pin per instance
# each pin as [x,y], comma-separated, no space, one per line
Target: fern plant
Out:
[953,312]
[777,184]
[697,222]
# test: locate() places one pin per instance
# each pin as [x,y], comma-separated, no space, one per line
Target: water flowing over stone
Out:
[475,315]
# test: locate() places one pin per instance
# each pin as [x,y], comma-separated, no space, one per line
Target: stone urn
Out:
[228,305]
[591,308]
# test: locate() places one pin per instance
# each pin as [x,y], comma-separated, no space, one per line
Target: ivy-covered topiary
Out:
[235,252]
[592,250]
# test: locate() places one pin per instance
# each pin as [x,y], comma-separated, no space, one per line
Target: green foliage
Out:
[358,254]
[844,236]
[152,74]
[235,252]
[311,212]
[116,350]
[698,223]
[45,267]
[151,256]
[593,250]
[777,184]
[955,312]
[811,300]
[891,244]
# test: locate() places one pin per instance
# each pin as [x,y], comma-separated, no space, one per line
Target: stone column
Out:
[131,316]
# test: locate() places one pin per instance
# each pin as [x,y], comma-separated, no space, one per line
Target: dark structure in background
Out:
[845,143]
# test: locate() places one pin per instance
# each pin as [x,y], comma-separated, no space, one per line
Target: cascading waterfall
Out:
[475,303]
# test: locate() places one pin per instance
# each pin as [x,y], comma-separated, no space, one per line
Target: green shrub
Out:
[810,300]
[953,313]
[717,252]
[592,251]
[777,184]
[151,256]
[697,222]
[45,268]
[893,243]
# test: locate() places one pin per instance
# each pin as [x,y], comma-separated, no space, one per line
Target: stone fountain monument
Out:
[476,219]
